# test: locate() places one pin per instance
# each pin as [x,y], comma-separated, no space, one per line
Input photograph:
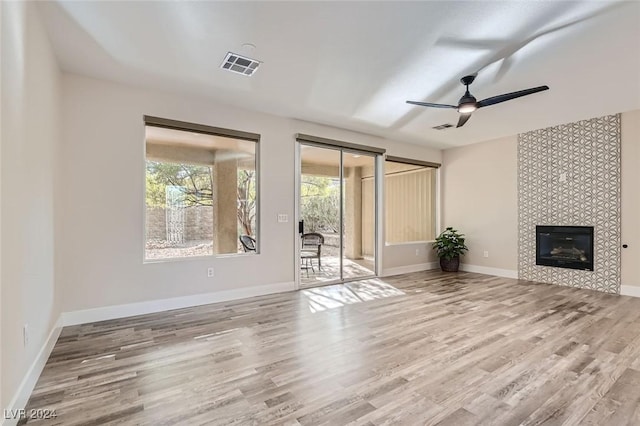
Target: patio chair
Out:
[312,248]
[248,243]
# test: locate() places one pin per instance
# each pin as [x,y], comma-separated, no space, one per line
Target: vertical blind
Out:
[409,204]
[409,212]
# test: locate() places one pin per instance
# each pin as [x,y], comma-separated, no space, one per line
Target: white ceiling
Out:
[353,64]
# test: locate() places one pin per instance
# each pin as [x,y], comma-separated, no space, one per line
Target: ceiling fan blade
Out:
[427,104]
[508,96]
[463,119]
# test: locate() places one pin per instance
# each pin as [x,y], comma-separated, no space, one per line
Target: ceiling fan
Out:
[468,103]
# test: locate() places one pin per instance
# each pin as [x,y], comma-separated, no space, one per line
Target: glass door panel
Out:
[359,195]
[320,194]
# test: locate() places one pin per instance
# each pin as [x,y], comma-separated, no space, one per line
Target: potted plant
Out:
[449,246]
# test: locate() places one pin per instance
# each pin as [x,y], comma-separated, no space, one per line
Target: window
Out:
[201,190]
[410,201]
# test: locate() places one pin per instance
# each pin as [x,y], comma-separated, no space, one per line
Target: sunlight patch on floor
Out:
[335,296]
[312,275]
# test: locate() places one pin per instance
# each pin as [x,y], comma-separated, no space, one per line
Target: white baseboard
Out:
[153,306]
[630,290]
[409,268]
[507,273]
[21,397]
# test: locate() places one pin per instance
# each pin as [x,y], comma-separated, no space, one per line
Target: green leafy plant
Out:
[450,244]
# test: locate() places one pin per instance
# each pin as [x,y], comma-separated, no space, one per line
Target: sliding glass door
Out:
[337,211]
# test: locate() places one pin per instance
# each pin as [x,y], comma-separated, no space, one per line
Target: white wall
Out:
[102,181]
[631,198]
[2,50]
[30,105]
[480,199]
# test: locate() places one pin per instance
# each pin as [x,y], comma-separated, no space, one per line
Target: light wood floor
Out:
[351,268]
[455,349]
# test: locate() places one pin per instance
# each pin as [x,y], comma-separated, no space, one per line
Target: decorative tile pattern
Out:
[569,175]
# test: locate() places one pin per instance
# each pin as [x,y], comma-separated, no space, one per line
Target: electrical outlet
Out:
[210,272]
[486,254]
[25,334]
[283,218]
[417,252]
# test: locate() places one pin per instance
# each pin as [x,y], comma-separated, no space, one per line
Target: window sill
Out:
[197,258]
[409,243]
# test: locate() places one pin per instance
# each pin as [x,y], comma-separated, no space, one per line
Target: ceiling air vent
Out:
[443,126]
[240,64]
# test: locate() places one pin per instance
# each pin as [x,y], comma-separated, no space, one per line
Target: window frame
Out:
[210,130]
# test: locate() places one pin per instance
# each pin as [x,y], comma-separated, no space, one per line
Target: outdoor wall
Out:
[480,199]
[102,205]
[29,135]
[198,223]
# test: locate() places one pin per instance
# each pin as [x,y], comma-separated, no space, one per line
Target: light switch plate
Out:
[283,218]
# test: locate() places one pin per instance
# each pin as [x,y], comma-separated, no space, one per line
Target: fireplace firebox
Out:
[565,246]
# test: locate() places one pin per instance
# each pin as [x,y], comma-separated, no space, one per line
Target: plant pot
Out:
[450,265]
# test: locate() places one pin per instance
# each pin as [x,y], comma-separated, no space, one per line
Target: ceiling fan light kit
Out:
[467,108]
[468,103]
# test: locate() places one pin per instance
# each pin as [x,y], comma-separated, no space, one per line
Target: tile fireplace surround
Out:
[569,175]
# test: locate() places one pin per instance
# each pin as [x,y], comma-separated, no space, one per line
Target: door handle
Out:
[301,227]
